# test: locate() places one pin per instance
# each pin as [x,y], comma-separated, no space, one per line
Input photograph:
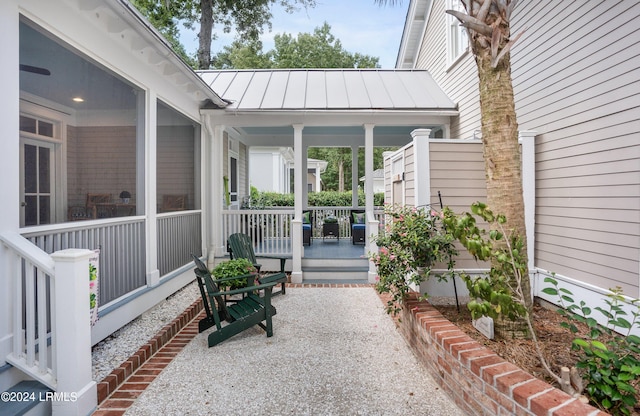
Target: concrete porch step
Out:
[338,274]
[26,398]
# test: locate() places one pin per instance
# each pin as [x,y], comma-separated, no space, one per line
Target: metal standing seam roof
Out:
[328,89]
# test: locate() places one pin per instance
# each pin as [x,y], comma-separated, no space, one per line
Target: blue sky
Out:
[361,25]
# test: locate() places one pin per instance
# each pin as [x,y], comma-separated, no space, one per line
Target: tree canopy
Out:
[320,49]
[247,18]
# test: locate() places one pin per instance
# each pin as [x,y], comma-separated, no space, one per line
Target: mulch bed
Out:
[554,340]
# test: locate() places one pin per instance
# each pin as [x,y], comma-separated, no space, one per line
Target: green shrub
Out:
[608,367]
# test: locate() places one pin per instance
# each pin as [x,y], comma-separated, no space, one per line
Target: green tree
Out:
[247,18]
[488,26]
[321,49]
[318,50]
[164,17]
[242,55]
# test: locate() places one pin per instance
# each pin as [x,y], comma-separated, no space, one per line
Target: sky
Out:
[361,26]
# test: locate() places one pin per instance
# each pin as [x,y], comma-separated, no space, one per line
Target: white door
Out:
[37,185]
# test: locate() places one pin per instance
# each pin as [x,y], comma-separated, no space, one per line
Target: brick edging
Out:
[479,381]
[117,377]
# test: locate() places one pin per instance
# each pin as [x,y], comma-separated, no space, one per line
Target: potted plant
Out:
[241,268]
[411,243]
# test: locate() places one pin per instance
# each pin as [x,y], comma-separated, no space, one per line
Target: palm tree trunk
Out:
[503,160]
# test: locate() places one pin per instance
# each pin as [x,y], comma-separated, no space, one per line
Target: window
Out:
[178,161]
[81,129]
[457,38]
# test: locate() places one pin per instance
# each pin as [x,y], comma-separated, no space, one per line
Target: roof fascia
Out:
[330,118]
[409,28]
[145,29]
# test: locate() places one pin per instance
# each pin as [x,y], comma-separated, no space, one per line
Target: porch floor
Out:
[332,248]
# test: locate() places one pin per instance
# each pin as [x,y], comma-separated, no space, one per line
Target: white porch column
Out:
[304,166]
[216,155]
[10,166]
[372,224]
[299,184]
[422,166]
[72,329]
[527,141]
[354,176]
[151,160]
[368,167]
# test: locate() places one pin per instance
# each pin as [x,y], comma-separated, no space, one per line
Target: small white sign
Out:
[484,325]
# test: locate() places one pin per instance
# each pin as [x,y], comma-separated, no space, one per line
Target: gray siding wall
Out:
[176,159]
[459,81]
[100,160]
[457,171]
[409,176]
[575,76]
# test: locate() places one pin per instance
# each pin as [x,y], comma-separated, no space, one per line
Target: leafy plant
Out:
[500,292]
[412,242]
[610,366]
[233,268]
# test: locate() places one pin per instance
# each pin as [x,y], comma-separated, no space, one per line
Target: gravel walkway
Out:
[334,352]
[108,354]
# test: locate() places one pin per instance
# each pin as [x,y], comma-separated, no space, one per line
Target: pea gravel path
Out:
[334,352]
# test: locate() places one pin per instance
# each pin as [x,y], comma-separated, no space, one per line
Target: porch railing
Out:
[50,325]
[318,215]
[270,229]
[179,235]
[122,250]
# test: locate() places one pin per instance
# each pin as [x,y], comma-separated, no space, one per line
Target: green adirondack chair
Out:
[252,309]
[240,247]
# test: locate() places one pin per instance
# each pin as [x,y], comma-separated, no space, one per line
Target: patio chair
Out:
[358,226]
[240,247]
[252,309]
[171,203]
[96,206]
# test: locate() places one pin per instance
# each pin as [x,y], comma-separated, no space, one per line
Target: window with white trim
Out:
[457,37]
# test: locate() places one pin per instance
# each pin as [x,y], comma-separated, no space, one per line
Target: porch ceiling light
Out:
[78,99]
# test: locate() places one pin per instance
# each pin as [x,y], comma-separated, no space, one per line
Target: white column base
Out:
[296,277]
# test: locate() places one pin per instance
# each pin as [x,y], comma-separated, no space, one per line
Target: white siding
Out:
[459,82]
[575,76]
[457,172]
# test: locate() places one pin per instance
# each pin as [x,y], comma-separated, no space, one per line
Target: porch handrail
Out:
[50,327]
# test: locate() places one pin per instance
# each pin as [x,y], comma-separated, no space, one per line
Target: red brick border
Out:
[118,390]
[478,380]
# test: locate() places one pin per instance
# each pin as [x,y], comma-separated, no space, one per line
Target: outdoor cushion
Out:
[305,218]
[358,217]
[306,226]
[358,226]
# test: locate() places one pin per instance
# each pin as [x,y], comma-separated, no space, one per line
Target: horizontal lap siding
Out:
[409,177]
[457,172]
[576,84]
[458,81]
[176,159]
[100,160]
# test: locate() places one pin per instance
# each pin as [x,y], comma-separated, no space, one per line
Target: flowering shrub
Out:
[412,242]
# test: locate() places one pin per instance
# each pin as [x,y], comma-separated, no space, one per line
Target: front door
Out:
[36,182]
